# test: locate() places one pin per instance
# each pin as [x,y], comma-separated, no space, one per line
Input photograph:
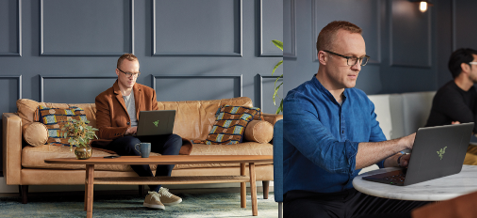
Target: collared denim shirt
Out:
[321,137]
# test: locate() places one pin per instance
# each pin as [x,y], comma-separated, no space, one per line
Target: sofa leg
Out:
[265,187]
[141,190]
[23,193]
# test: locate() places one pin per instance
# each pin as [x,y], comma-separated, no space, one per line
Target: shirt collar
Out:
[325,91]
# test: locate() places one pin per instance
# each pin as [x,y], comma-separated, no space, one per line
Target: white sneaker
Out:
[153,200]
[168,198]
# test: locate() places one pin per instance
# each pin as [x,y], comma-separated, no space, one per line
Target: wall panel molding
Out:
[44,47]
[238,41]
[43,78]
[377,33]
[292,55]
[234,77]
[19,33]
[427,38]
[276,52]
[19,84]
[260,89]
[454,24]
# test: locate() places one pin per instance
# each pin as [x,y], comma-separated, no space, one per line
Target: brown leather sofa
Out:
[24,153]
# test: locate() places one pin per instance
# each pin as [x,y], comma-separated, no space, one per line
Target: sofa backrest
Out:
[402,114]
[194,119]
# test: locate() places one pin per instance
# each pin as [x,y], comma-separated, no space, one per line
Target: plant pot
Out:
[83,153]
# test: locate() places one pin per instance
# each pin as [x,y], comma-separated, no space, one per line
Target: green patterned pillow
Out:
[230,124]
[55,118]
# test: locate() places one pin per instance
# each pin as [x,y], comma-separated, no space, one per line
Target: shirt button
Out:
[342,131]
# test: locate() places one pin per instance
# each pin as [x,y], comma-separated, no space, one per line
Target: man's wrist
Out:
[399,160]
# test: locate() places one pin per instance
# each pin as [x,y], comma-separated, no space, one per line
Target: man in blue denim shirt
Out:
[331,133]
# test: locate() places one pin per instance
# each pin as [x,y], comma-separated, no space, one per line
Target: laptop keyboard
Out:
[394,177]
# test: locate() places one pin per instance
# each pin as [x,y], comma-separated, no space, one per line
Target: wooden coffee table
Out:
[163,180]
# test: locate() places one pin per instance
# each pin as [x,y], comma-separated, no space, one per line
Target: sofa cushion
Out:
[194,119]
[259,131]
[55,119]
[416,109]
[35,133]
[230,124]
[27,108]
[245,148]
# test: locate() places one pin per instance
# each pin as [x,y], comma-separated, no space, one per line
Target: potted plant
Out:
[80,135]
[279,45]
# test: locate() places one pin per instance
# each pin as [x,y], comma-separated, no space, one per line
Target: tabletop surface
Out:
[167,159]
[433,190]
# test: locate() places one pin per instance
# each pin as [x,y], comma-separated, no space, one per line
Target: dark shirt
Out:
[453,104]
[321,137]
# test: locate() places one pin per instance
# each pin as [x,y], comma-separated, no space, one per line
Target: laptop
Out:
[437,152]
[153,123]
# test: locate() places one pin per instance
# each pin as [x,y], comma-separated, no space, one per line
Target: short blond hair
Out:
[328,33]
[128,56]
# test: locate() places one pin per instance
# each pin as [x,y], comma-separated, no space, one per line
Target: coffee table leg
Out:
[253,188]
[89,190]
[243,188]
[86,193]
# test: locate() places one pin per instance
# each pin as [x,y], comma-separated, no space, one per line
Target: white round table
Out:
[433,190]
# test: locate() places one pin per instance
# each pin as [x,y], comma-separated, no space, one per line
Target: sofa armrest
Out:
[12,148]
[272,118]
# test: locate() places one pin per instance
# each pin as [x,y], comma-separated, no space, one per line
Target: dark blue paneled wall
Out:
[409,49]
[66,50]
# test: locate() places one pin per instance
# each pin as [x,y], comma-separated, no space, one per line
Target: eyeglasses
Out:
[473,63]
[351,61]
[130,74]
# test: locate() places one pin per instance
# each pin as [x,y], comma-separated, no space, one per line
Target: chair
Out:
[278,165]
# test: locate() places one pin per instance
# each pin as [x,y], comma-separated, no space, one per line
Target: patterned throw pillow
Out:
[55,118]
[230,124]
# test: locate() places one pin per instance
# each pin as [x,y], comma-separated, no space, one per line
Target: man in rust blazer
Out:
[117,117]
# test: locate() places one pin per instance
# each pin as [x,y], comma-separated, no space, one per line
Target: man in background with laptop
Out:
[117,118]
[331,132]
[456,101]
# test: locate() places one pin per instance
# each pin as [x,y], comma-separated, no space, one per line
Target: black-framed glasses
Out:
[350,60]
[130,74]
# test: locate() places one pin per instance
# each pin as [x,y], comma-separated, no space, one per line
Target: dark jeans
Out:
[349,203]
[165,145]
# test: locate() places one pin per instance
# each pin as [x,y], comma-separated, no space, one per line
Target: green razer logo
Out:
[442,152]
[156,123]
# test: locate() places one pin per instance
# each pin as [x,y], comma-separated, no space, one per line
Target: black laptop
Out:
[437,152]
[153,123]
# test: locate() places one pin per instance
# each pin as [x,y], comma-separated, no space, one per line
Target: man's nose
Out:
[356,67]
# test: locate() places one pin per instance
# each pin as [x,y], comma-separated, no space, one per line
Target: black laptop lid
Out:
[156,122]
[438,151]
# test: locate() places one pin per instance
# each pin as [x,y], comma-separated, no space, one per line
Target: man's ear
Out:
[465,67]
[322,57]
[117,71]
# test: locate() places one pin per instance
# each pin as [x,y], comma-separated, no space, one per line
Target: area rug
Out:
[130,205]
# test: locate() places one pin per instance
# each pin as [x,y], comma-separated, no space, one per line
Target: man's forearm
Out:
[372,152]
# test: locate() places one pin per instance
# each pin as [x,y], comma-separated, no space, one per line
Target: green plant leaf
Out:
[276,66]
[278,43]
[275,93]
[280,108]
